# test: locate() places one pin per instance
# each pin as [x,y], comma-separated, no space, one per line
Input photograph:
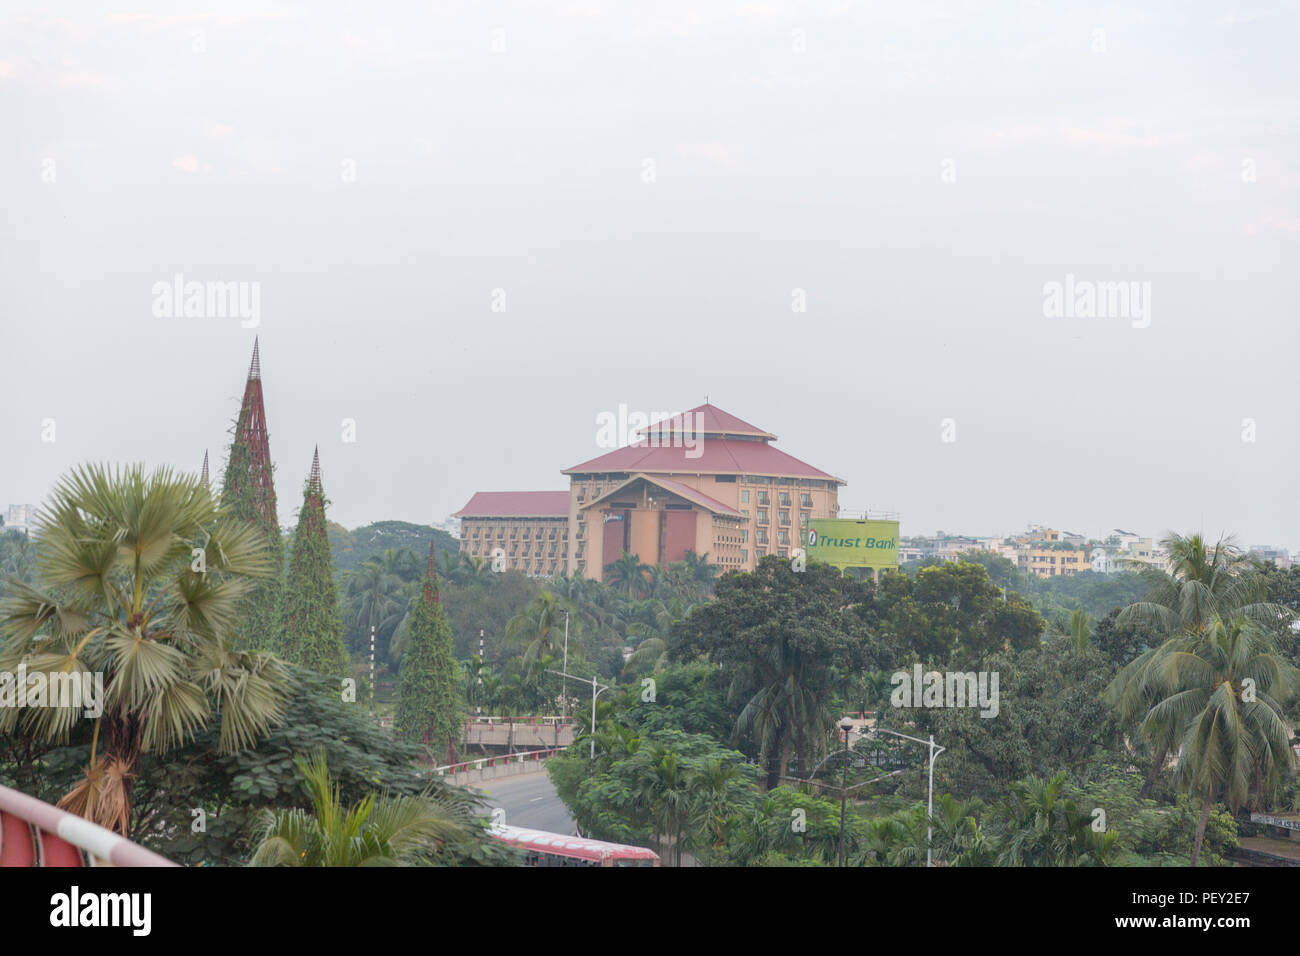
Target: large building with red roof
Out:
[705,481]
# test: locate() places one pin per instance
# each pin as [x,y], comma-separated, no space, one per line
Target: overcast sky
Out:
[649,184]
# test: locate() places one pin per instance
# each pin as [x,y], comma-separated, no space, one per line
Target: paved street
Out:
[529,801]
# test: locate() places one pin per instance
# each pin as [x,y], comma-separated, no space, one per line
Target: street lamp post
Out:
[594,694]
[935,750]
[845,726]
[564,684]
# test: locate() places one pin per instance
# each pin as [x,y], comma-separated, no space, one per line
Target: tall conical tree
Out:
[428,702]
[248,494]
[313,623]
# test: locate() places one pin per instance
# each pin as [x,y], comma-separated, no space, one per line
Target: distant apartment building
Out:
[1045,561]
[1044,552]
[705,481]
[1279,556]
[1144,553]
[20,518]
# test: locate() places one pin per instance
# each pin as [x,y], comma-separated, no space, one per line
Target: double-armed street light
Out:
[594,694]
[935,750]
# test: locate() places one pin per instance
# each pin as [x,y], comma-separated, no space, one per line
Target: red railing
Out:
[33,833]
[498,760]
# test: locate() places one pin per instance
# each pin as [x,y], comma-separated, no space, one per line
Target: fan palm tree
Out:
[1228,692]
[140,578]
[379,830]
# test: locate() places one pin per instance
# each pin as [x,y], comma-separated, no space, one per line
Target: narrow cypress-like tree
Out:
[248,494]
[313,624]
[428,703]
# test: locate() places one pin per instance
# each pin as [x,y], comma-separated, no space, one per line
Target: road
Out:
[529,801]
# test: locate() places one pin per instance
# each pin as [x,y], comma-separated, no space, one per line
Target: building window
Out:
[783,517]
[785,499]
[762,516]
[783,537]
[805,500]
[764,498]
[744,536]
[744,496]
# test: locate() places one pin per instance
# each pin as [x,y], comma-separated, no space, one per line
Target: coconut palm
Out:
[379,830]
[700,571]
[539,629]
[1229,693]
[788,709]
[628,572]
[651,652]
[140,578]
[375,597]
[1204,585]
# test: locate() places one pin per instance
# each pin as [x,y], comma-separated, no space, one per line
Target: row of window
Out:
[783,498]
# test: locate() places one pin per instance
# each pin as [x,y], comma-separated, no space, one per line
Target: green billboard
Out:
[849,543]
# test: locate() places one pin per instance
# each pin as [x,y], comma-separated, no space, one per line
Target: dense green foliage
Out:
[138,579]
[429,708]
[245,498]
[312,629]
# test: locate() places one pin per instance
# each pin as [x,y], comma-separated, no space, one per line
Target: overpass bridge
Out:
[510,734]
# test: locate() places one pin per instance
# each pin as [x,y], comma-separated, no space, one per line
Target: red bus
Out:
[555,849]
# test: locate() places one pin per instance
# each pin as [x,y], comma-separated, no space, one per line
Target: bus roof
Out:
[573,846]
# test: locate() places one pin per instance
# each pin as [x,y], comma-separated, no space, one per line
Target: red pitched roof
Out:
[710,421]
[710,455]
[713,456]
[516,504]
[674,487]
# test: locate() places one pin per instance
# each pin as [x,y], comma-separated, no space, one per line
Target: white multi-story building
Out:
[20,518]
[1103,561]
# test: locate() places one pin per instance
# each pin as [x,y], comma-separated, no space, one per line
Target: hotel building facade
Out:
[705,481]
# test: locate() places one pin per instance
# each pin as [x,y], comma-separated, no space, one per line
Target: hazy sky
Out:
[649,183]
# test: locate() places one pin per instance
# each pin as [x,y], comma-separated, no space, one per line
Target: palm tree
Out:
[790,709]
[379,830]
[651,652]
[701,572]
[1045,829]
[375,597]
[1204,585]
[539,629]
[1228,692]
[665,791]
[629,572]
[140,578]
[713,802]
[1080,631]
